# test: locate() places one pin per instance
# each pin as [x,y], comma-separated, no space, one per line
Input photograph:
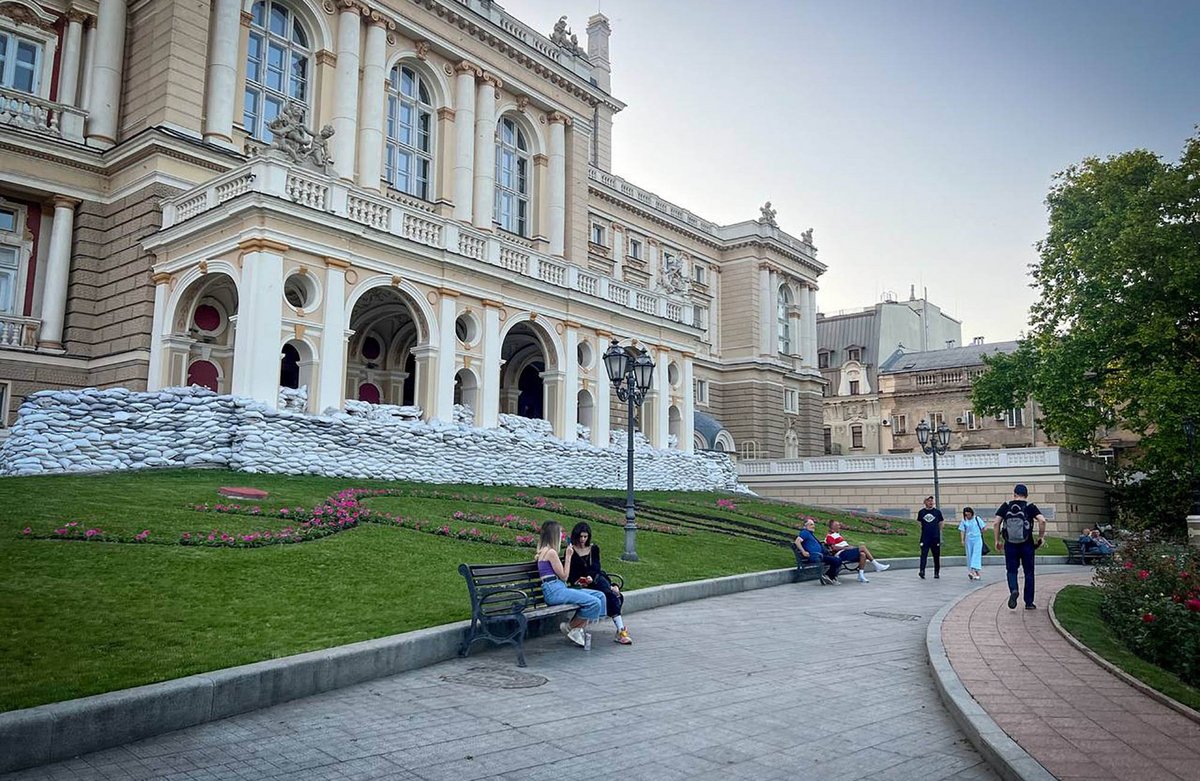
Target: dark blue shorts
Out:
[848,554]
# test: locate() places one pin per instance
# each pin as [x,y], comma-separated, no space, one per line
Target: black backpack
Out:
[1016,526]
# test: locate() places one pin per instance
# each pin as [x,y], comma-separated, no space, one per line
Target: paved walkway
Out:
[798,681]
[1073,716]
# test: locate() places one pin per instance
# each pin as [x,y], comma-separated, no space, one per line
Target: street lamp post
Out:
[631,371]
[1189,431]
[937,447]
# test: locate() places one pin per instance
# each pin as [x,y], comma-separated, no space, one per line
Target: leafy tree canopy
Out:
[1113,338]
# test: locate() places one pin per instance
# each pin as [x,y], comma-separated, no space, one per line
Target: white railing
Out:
[953,461]
[19,333]
[20,109]
[273,176]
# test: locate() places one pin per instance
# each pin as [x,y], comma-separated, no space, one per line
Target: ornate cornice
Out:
[262,245]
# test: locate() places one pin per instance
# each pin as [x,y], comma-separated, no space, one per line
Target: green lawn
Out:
[80,618]
[1078,610]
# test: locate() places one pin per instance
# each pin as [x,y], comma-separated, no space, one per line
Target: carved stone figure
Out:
[768,214]
[562,36]
[671,277]
[807,236]
[297,142]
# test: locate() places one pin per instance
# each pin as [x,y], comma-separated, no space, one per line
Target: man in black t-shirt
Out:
[1013,531]
[931,522]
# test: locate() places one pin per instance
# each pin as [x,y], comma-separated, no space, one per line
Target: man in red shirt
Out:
[847,552]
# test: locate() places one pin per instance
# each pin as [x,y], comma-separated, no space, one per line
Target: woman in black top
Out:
[583,569]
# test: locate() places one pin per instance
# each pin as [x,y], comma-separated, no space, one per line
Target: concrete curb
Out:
[49,733]
[1136,683]
[1000,751]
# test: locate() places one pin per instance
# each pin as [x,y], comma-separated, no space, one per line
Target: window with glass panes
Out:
[409,132]
[20,63]
[512,178]
[10,259]
[785,326]
[278,63]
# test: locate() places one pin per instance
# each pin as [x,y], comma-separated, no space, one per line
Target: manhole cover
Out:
[496,678]
[893,616]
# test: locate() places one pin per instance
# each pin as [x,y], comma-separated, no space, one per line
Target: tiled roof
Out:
[951,358]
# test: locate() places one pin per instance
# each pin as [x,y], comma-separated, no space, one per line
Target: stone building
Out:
[398,201]
[936,386]
[851,345]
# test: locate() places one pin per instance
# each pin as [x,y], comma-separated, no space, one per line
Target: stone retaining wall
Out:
[107,430]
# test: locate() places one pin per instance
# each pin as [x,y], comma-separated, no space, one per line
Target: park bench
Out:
[811,569]
[504,597]
[1076,554]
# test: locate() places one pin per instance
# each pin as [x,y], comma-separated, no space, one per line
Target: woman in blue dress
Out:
[971,530]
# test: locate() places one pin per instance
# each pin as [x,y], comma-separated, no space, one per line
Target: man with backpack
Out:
[931,521]
[1014,533]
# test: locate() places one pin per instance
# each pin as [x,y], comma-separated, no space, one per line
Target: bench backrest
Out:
[802,562]
[485,579]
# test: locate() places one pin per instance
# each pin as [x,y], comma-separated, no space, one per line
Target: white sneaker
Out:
[576,636]
[862,577]
[880,566]
[565,628]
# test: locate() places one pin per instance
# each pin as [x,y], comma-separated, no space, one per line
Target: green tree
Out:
[1113,338]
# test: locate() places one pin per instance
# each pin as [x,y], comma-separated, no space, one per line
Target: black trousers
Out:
[612,600]
[936,547]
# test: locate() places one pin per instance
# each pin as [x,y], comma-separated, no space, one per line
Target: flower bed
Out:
[1151,599]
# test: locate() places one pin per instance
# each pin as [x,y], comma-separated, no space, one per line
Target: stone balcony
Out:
[19,333]
[272,176]
[25,111]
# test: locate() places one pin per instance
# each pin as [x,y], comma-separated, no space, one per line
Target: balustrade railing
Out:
[273,176]
[19,333]
[20,109]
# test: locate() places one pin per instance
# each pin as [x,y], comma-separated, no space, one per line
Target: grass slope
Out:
[79,618]
[1078,610]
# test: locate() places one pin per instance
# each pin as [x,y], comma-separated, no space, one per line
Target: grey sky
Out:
[917,138]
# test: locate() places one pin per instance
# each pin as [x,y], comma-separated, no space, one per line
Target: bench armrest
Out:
[615,579]
[517,607]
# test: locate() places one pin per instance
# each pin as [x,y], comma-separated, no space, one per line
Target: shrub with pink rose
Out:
[1151,600]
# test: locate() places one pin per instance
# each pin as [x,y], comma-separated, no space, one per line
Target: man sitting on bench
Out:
[848,553]
[810,548]
[1091,541]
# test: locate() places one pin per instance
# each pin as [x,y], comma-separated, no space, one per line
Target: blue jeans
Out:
[835,564]
[591,603]
[1020,555]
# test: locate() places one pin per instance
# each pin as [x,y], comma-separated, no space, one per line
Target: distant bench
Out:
[1076,554]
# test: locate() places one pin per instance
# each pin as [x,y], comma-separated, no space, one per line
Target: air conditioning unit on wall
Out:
[960,420]
[885,422]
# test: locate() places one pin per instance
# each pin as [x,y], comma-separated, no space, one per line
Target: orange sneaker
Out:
[623,637]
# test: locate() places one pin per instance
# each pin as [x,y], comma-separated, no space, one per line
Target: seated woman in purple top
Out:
[554,586]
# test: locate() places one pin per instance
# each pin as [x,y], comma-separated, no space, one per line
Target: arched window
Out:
[278,64]
[512,178]
[785,328]
[409,132]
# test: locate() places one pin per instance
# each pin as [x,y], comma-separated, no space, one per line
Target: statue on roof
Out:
[768,214]
[562,36]
[807,236]
[301,145]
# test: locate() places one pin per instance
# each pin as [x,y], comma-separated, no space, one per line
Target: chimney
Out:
[949,343]
[598,32]
[977,340]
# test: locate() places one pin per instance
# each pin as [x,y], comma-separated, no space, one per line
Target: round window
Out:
[300,290]
[371,348]
[466,329]
[584,354]
[673,374]
[207,318]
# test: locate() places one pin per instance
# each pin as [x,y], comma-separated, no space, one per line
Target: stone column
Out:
[374,80]
[464,139]
[68,83]
[773,286]
[601,420]
[258,338]
[331,382]
[618,250]
[58,273]
[447,356]
[552,402]
[160,324]
[687,428]
[104,94]
[557,215]
[425,384]
[809,316]
[345,93]
[764,309]
[219,91]
[485,151]
[660,426]
[570,381]
[489,381]
[89,56]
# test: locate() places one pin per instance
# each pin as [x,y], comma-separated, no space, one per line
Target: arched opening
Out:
[198,350]
[674,426]
[382,360]
[584,412]
[289,367]
[466,390]
[528,358]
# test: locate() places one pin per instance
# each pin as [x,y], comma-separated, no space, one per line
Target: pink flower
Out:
[1149,618]
[27,530]
[1129,565]
[91,533]
[1193,605]
[1143,574]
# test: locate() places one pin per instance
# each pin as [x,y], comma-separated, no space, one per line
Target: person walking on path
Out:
[554,585]
[811,549]
[583,570]
[850,553]
[931,536]
[1013,532]
[971,531]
